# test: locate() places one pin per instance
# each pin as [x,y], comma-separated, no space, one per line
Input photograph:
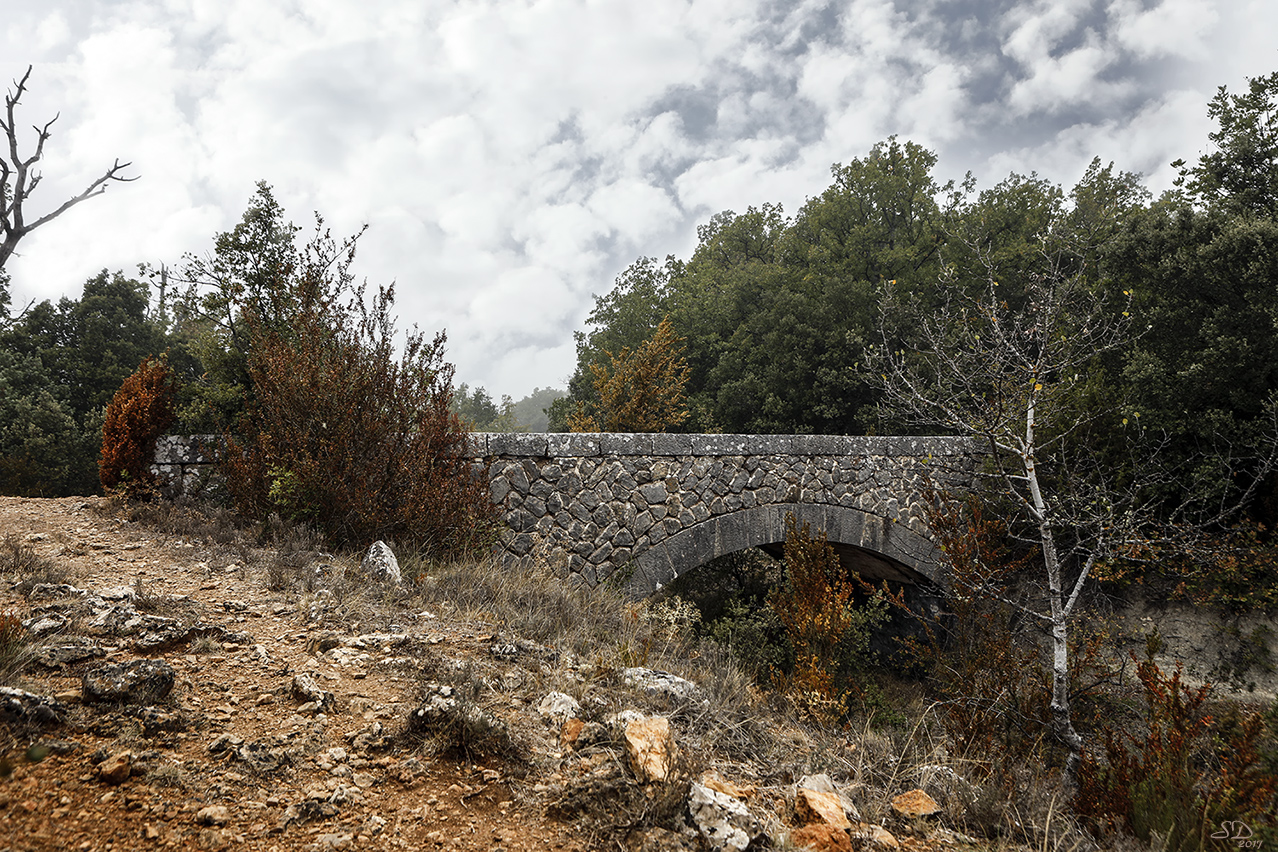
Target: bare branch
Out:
[18,180]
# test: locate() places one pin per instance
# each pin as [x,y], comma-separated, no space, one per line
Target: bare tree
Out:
[1004,368]
[18,178]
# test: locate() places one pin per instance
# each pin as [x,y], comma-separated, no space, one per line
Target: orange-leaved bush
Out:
[641,391]
[138,414]
[360,443]
[828,632]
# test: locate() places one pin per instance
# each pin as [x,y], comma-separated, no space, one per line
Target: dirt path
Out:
[235,759]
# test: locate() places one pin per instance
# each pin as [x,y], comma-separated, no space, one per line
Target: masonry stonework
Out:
[653,506]
[656,505]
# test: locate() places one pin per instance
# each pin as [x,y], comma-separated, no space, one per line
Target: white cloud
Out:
[1176,28]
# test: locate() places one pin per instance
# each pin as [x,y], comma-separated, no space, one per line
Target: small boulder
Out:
[655,682]
[557,707]
[724,822]
[651,748]
[117,768]
[136,682]
[820,837]
[870,836]
[17,706]
[815,792]
[569,732]
[308,692]
[915,804]
[816,807]
[380,564]
[213,815]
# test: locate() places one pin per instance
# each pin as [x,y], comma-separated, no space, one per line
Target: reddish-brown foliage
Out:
[1185,774]
[344,435]
[137,415]
[985,660]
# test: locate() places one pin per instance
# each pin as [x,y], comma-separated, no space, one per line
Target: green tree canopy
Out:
[1241,173]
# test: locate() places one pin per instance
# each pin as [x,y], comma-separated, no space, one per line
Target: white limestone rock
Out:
[381,565]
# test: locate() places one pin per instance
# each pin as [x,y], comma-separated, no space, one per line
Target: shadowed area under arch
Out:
[873,546]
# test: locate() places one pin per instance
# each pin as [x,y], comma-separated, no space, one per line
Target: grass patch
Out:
[15,648]
[30,568]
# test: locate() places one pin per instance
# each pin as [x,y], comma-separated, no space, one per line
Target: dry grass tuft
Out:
[30,569]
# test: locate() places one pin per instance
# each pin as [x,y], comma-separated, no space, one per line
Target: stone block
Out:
[721,445]
[672,445]
[570,445]
[625,444]
[517,444]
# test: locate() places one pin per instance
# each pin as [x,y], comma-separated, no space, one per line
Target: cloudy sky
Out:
[511,157]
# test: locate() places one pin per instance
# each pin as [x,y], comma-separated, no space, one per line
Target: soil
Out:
[238,756]
[399,796]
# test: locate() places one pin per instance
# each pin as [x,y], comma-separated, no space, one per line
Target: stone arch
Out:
[875,546]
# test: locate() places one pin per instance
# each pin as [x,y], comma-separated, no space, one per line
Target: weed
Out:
[166,775]
[205,645]
[15,647]
[29,567]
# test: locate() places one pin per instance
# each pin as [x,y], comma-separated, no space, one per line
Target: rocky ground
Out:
[182,696]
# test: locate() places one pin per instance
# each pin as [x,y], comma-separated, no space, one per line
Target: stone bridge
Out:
[653,506]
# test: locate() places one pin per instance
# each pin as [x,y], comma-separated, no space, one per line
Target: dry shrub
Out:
[139,413]
[827,631]
[343,435]
[1186,774]
[29,567]
[15,647]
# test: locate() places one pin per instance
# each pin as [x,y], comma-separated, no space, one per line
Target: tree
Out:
[1242,173]
[18,179]
[1006,376]
[137,415]
[257,277]
[40,441]
[344,433]
[1205,374]
[641,391]
[477,409]
[533,411]
[71,358]
[326,419]
[776,312]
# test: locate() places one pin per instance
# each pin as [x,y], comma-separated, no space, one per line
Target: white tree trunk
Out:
[1062,723]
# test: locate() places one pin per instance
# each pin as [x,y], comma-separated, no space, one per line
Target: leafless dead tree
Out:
[998,367]
[18,179]
[1010,368]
